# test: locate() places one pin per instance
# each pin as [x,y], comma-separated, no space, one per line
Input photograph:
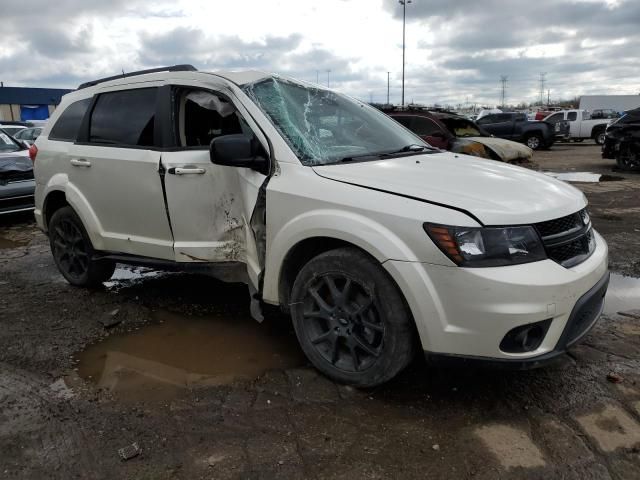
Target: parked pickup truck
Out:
[516,126]
[581,125]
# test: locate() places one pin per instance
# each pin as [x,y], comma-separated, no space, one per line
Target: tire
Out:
[73,253]
[533,141]
[599,137]
[350,319]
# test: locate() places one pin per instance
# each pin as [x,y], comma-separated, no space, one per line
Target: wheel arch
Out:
[54,201]
[60,193]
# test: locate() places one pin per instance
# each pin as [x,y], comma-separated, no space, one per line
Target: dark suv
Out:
[515,126]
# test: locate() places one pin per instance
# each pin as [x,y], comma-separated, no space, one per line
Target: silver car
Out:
[17,185]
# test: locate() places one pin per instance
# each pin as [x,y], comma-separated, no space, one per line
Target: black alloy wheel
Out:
[351,319]
[343,322]
[73,253]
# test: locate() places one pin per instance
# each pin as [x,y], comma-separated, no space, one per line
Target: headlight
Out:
[487,247]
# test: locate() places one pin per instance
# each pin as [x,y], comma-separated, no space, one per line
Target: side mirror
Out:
[237,150]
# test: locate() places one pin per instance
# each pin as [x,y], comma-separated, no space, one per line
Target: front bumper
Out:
[583,318]
[468,311]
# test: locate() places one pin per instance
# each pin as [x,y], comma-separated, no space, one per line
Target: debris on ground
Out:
[614,377]
[130,451]
[110,319]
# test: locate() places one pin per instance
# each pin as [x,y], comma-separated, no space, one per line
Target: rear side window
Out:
[124,118]
[404,120]
[572,116]
[424,126]
[67,126]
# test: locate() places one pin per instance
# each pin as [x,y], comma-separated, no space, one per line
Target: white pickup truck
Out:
[581,125]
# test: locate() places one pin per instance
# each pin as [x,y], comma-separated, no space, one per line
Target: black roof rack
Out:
[172,68]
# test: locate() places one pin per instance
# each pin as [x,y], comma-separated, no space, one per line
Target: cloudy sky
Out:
[456,50]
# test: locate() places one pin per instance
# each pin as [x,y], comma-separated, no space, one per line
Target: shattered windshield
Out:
[324,127]
[461,127]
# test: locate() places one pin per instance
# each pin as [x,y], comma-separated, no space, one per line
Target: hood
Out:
[505,149]
[494,192]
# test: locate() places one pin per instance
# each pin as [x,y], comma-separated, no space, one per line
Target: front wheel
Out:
[73,253]
[599,138]
[534,141]
[350,319]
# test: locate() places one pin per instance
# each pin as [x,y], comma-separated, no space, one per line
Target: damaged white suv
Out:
[376,243]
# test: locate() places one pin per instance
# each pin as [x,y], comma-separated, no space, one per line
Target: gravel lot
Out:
[205,392]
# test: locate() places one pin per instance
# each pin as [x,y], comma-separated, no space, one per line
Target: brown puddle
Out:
[7,244]
[160,360]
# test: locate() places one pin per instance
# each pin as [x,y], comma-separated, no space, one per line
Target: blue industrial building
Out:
[24,103]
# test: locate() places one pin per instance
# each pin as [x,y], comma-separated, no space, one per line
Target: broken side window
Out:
[203,116]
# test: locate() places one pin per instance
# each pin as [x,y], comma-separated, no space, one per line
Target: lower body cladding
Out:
[518,315]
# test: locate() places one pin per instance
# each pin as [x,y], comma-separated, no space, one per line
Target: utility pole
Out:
[548,97]
[388,73]
[317,77]
[404,21]
[543,76]
[328,72]
[503,95]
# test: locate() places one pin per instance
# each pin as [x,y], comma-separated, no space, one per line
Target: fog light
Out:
[525,338]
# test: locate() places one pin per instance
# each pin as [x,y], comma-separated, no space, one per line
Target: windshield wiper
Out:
[413,148]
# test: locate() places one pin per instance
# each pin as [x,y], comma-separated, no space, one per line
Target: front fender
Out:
[361,231]
[60,183]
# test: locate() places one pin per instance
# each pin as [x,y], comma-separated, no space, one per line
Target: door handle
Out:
[186,171]
[80,162]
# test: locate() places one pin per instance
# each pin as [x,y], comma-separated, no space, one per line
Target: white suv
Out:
[376,243]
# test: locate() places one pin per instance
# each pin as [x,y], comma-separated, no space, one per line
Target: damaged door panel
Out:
[209,206]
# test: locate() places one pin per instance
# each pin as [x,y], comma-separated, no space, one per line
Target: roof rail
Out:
[172,68]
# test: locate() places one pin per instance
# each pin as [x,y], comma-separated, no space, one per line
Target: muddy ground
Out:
[174,364]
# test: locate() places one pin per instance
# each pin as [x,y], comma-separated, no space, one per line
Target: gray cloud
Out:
[456,49]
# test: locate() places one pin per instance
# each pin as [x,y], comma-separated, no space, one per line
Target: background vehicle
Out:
[516,126]
[324,206]
[581,125]
[16,176]
[622,141]
[28,135]
[11,129]
[458,134]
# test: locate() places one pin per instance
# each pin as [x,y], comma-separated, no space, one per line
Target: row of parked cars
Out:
[377,243]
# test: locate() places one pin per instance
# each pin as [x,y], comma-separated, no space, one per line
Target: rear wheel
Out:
[534,141]
[73,252]
[350,319]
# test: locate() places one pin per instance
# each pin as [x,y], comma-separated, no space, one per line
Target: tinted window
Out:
[67,126]
[572,116]
[424,126]
[124,118]
[555,118]
[486,120]
[403,119]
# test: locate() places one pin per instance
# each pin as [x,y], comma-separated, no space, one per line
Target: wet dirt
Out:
[179,352]
[623,294]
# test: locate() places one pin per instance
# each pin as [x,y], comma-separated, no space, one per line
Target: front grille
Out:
[568,240]
[560,225]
